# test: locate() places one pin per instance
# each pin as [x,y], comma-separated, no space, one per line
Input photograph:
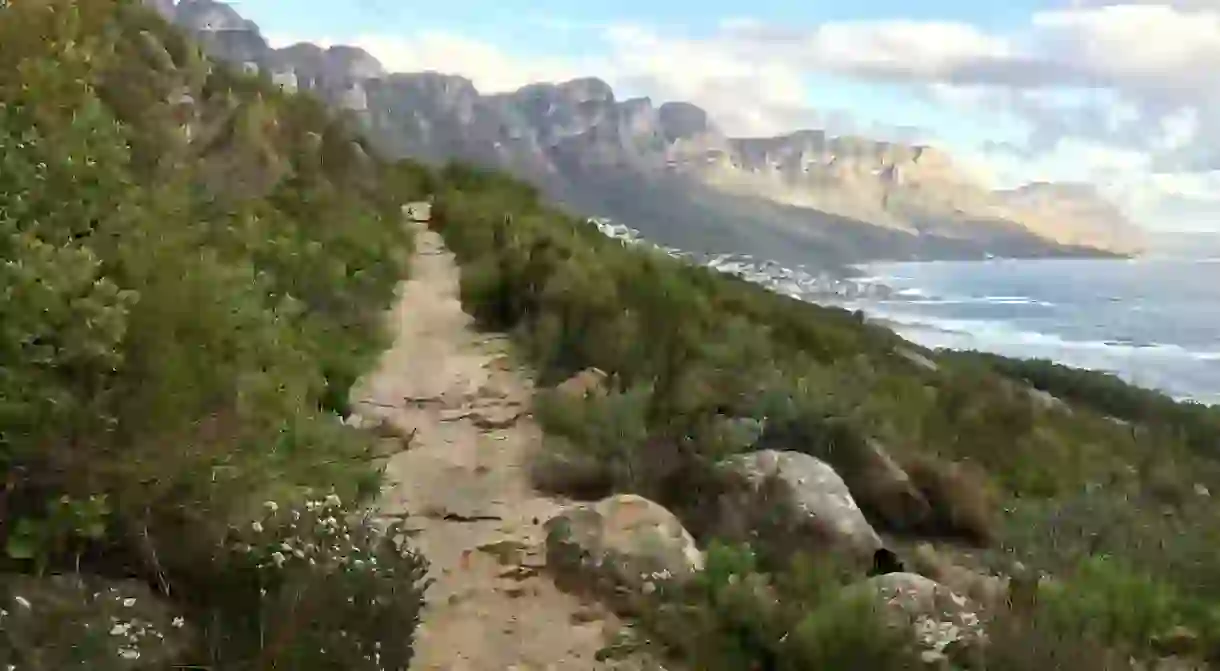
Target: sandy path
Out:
[465,484]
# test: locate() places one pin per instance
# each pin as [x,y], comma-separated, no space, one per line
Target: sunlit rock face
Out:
[672,172]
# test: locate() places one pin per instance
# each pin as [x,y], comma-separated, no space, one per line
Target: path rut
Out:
[464,484]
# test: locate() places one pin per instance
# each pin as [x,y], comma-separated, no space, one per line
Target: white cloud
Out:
[490,68]
[758,96]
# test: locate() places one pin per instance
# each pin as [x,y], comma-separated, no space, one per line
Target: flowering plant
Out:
[336,587]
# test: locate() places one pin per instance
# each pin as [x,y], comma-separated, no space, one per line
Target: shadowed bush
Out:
[960,496]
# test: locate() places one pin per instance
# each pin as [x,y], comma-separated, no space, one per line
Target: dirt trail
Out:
[465,484]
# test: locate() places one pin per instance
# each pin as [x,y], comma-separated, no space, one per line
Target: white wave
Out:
[1153,365]
[1013,300]
[989,334]
[965,300]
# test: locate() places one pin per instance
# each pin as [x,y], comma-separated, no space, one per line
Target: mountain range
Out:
[669,171]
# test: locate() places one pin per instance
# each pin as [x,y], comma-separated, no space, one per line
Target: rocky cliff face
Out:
[1072,214]
[669,171]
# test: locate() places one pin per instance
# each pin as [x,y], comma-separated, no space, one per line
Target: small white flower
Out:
[257,526]
[22,601]
[271,506]
[178,622]
[129,653]
[129,602]
[278,558]
[333,500]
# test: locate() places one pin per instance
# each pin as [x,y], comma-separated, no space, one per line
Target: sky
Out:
[1122,94]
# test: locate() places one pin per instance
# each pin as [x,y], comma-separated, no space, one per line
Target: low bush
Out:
[318,584]
[960,496]
[733,616]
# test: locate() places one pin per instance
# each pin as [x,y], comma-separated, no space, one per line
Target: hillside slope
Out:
[1104,486]
[193,272]
[196,266]
[668,170]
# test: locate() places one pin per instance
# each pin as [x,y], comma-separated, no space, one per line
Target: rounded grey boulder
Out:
[791,501]
[621,544]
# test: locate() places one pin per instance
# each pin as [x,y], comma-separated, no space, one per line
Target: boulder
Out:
[886,491]
[988,591]
[790,501]
[586,382]
[623,544]
[941,620]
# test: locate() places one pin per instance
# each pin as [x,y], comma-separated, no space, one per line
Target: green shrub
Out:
[314,585]
[61,622]
[610,430]
[734,617]
[181,314]
[1025,642]
[1106,601]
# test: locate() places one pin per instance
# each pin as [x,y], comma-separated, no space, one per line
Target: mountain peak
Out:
[583,146]
[207,15]
[588,89]
[683,120]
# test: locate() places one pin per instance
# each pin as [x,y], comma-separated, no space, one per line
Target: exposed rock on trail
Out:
[464,483]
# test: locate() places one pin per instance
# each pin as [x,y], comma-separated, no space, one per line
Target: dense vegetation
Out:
[1117,510]
[194,265]
[193,269]
[1193,424]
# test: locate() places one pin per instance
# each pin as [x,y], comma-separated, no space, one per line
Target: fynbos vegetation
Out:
[1109,495]
[193,269]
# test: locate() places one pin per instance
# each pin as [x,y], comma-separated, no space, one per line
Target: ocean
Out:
[1154,322]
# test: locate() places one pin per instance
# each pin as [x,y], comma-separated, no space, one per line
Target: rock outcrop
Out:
[669,171]
[790,502]
[1074,214]
[624,544]
[988,591]
[885,490]
[943,621]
